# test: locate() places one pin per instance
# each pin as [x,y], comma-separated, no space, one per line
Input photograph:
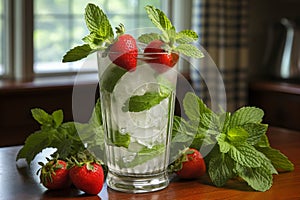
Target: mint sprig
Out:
[241,147]
[64,136]
[53,133]
[100,37]
[175,41]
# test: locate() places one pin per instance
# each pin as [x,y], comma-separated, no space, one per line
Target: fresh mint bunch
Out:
[241,148]
[63,136]
[100,37]
[174,41]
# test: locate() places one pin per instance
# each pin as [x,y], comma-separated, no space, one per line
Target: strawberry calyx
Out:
[50,170]
[120,30]
[83,158]
[178,163]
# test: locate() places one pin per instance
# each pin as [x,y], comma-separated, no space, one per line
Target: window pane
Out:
[2,35]
[50,6]
[59,26]
[55,30]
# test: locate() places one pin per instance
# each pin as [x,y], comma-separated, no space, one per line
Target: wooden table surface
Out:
[17,181]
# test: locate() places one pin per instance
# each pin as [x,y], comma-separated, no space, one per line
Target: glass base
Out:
[137,184]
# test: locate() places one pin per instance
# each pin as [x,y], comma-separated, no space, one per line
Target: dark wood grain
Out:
[20,182]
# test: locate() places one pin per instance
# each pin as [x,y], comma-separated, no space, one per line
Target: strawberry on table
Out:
[55,174]
[193,165]
[123,52]
[160,60]
[88,177]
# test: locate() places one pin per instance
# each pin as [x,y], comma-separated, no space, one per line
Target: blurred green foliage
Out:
[59,24]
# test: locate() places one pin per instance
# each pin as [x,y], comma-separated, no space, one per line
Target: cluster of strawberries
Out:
[86,176]
[125,54]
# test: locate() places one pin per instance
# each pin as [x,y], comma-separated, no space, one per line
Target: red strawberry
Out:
[54,174]
[88,177]
[161,61]
[193,165]
[124,52]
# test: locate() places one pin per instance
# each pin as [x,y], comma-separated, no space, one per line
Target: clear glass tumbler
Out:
[137,112]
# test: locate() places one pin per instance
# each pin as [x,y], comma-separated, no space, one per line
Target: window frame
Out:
[8,39]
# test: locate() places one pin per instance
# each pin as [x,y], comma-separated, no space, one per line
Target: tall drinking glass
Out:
[137,111]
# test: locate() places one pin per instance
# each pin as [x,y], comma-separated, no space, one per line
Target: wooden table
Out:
[17,181]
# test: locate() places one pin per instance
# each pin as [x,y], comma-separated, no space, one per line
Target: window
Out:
[2,36]
[35,34]
[59,25]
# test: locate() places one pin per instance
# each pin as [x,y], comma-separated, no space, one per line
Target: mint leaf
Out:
[278,159]
[77,53]
[34,144]
[180,131]
[95,41]
[138,103]
[199,139]
[120,140]
[209,120]
[224,120]
[97,21]
[41,116]
[66,140]
[96,118]
[181,137]
[186,36]
[245,155]
[255,131]
[263,142]
[246,115]
[58,117]
[220,168]
[194,106]
[110,77]
[144,155]
[259,178]
[158,18]
[223,144]
[148,37]
[189,50]
[46,120]
[237,135]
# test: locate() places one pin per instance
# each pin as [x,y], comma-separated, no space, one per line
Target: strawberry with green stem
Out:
[190,165]
[160,60]
[168,41]
[54,174]
[122,50]
[86,173]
